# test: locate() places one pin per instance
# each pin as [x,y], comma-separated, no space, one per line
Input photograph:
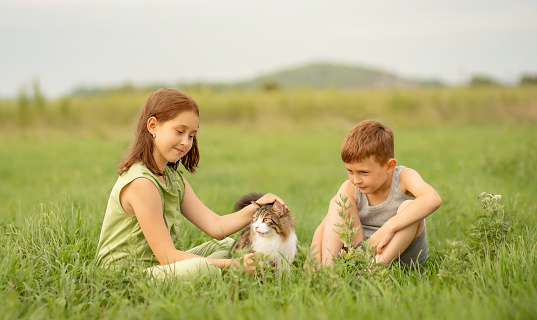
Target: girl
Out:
[143,211]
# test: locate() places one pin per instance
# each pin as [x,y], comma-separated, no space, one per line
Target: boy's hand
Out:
[381,238]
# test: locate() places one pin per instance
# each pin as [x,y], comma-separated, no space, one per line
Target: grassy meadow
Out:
[59,160]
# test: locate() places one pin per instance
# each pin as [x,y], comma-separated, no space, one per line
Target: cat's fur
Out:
[271,232]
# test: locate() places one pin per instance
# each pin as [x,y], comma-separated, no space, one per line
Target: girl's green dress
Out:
[122,240]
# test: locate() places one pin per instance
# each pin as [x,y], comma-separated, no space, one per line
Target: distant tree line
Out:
[36,101]
[486,81]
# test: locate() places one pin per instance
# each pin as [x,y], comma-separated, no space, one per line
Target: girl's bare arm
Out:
[142,199]
[213,224]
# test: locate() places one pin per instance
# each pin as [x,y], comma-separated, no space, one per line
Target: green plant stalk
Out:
[345,229]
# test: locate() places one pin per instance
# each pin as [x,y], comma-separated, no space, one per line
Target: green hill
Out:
[316,75]
[330,75]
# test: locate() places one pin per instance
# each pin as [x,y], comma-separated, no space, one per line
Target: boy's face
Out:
[368,175]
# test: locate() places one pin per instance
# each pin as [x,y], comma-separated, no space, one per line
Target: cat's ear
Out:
[256,205]
[278,208]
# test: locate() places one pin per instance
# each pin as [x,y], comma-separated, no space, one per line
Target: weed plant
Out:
[358,261]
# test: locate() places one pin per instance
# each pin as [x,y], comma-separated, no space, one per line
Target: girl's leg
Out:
[197,267]
[184,270]
[214,249]
[401,240]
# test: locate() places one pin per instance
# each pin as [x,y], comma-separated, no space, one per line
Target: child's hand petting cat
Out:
[271,198]
[247,262]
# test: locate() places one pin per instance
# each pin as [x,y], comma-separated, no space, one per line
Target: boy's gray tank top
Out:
[373,217]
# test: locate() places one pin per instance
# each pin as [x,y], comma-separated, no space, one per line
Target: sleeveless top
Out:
[373,217]
[121,235]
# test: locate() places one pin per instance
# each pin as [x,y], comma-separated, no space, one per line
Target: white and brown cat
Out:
[271,232]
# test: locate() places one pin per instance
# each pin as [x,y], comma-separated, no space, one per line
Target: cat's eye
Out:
[266,220]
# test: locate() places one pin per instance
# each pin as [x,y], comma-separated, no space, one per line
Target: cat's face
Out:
[271,220]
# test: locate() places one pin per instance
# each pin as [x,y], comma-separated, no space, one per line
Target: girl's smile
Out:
[173,139]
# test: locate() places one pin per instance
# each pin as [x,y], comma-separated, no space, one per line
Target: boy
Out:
[390,202]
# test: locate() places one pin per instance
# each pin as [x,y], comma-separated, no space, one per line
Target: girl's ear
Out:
[152,125]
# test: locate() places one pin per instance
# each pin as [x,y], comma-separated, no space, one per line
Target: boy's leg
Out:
[317,241]
[331,241]
[401,240]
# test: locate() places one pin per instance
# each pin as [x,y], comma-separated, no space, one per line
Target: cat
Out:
[271,232]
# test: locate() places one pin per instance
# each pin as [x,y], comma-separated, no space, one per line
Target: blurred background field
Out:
[102,113]
[60,157]
[462,140]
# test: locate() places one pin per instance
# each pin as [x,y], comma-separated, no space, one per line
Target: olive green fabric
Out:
[121,235]
[197,267]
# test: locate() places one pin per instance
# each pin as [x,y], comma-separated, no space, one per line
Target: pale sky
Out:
[67,43]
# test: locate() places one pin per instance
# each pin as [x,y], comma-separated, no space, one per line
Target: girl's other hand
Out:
[246,262]
[271,198]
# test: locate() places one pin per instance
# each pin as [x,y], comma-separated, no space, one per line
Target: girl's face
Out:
[173,138]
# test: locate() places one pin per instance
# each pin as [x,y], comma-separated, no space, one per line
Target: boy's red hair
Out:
[368,138]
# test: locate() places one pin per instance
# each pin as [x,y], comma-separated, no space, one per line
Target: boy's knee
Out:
[335,198]
[419,225]
[321,225]
[403,205]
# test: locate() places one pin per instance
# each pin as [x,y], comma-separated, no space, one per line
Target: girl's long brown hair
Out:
[163,104]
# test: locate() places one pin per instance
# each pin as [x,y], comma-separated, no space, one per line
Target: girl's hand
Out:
[245,262]
[271,198]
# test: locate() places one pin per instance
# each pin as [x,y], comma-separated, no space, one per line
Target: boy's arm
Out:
[426,202]
[331,242]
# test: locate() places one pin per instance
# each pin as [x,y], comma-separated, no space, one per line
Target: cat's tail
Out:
[246,200]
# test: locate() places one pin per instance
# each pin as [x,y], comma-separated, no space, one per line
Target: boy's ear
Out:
[391,164]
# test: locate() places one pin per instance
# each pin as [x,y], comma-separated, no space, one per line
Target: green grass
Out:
[56,176]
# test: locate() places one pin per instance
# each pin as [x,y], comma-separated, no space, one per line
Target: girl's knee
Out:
[227,243]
